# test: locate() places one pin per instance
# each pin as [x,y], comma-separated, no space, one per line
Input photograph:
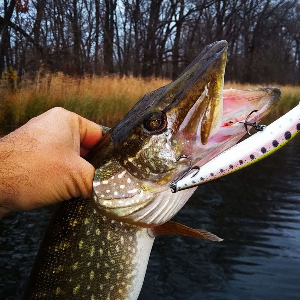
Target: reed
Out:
[289,99]
[104,100]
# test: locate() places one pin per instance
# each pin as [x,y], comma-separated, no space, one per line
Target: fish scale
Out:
[88,241]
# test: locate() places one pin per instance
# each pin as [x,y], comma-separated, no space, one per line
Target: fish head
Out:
[170,130]
[147,141]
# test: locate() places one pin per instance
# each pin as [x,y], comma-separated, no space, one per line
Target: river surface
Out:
[257,213]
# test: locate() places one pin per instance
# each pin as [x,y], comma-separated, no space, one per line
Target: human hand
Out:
[41,162]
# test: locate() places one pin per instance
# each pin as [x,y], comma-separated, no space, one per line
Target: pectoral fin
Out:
[171,227]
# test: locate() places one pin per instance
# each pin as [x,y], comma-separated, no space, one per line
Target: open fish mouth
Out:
[266,141]
[240,107]
[170,130]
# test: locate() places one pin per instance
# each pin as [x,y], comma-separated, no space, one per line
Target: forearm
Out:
[7,188]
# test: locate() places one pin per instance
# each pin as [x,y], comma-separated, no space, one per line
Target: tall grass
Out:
[104,100]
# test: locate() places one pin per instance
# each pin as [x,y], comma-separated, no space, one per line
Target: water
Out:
[256,211]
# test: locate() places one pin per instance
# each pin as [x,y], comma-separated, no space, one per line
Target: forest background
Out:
[77,41]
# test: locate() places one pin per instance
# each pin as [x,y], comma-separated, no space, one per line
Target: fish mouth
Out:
[241,110]
[239,104]
[209,119]
[194,120]
[197,94]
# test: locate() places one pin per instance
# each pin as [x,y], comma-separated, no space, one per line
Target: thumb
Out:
[90,134]
[81,183]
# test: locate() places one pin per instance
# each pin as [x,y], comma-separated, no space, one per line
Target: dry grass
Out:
[104,100]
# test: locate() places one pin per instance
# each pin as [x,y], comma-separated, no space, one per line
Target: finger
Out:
[90,134]
[83,179]
[84,152]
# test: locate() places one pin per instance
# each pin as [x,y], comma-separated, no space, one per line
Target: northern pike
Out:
[99,248]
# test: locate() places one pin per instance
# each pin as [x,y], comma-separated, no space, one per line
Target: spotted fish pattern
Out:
[113,256]
[247,152]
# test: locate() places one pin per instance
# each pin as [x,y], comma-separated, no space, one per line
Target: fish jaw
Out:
[167,132]
[237,106]
[200,101]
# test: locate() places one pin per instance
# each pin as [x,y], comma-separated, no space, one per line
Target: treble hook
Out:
[255,125]
[173,184]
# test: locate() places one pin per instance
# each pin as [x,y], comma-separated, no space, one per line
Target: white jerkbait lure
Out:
[245,153]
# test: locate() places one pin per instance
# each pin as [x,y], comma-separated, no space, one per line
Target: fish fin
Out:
[171,227]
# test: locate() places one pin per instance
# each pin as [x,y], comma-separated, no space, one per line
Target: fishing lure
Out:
[245,153]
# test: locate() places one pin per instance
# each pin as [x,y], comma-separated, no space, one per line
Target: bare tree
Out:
[5,34]
[108,34]
[151,38]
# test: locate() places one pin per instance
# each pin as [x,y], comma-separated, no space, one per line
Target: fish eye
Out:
[155,122]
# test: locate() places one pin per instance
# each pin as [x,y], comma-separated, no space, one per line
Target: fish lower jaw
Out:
[156,211]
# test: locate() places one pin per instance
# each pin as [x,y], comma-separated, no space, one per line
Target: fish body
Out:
[98,248]
[85,255]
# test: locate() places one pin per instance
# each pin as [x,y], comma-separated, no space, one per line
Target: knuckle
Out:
[82,178]
[59,112]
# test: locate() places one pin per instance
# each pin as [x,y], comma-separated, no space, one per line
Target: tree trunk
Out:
[136,15]
[40,6]
[148,66]
[175,54]
[5,39]
[108,35]
[77,40]
[97,35]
